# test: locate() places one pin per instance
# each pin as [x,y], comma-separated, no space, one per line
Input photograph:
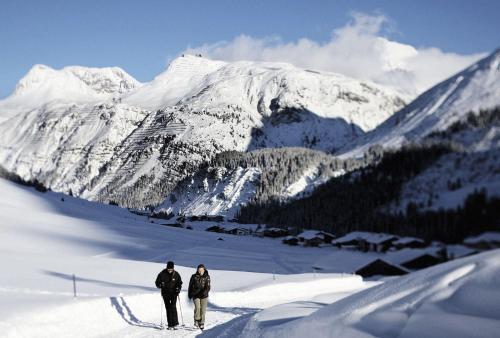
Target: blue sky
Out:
[142,36]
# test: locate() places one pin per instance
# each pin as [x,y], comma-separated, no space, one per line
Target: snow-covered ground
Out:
[457,299]
[260,287]
[115,257]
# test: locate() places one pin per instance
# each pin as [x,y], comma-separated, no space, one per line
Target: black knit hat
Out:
[201,266]
[170,265]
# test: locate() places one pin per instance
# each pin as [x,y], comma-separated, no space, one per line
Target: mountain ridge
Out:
[133,148]
[472,89]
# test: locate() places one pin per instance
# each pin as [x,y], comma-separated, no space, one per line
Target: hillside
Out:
[433,189]
[116,255]
[232,179]
[459,298]
[103,136]
[473,89]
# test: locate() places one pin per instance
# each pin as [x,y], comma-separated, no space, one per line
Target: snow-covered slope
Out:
[475,88]
[448,182]
[233,179]
[103,136]
[221,195]
[252,86]
[111,80]
[456,299]
[70,85]
[182,79]
[115,257]
[112,254]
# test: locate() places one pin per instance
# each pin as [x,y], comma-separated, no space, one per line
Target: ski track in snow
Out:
[270,291]
[139,315]
[113,253]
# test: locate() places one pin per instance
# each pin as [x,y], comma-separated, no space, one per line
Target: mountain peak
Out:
[188,65]
[36,75]
[474,88]
[493,59]
[88,81]
[106,80]
[496,52]
[40,68]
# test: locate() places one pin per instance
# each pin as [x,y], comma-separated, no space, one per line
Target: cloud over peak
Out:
[358,50]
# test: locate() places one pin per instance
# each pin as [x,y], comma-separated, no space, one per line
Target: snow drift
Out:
[456,299]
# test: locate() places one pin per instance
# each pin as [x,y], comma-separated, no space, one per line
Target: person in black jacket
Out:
[199,286]
[170,283]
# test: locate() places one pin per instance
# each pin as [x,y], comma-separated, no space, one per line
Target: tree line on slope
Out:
[357,200]
[281,167]
[482,119]
[4,173]
[354,202]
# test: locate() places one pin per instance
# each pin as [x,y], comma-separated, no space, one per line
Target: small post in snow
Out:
[74,286]
[274,274]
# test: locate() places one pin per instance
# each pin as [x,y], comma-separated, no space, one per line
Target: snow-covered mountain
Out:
[102,135]
[266,88]
[472,167]
[69,85]
[473,89]
[462,110]
[440,109]
[59,83]
[233,179]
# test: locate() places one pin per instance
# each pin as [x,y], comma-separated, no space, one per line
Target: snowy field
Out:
[115,257]
[261,288]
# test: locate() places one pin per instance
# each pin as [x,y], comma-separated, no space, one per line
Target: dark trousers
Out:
[170,305]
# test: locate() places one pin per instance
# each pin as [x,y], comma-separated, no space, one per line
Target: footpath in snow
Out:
[115,257]
[260,288]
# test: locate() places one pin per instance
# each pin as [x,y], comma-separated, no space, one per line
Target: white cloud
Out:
[358,50]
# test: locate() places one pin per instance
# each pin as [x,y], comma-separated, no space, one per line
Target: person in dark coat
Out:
[199,286]
[170,283]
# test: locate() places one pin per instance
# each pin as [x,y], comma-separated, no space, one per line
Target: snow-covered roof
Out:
[371,237]
[347,261]
[405,255]
[490,236]
[388,262]
[275,229]
[310,234]
[407,240]
[234,227]
[457,251]
[327,233]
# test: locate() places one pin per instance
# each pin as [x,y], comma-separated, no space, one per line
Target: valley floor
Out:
[115,257]
[260,287]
